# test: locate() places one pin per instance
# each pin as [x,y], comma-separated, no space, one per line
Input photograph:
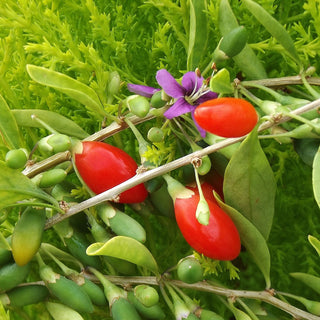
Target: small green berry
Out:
[16,158]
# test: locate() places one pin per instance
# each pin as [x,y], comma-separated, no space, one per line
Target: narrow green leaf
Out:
[273,27]
[125,248]
[9,129]
[249,184]
[73,88]
[252,239]
[46,249]
[15,186]
[198,35]
[246,60]
[308,279]
[315,243]
[53,119]
[316,176]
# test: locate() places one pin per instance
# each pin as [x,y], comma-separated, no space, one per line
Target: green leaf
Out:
[316,176]
[53,119]
[249,184]
[252,239]
[198,35]
[73,88]
[239,314]
[273,27]
[9,129]
[15,186]
[308,279]
[125,248]
[315,243]
[221,83]
[46,249]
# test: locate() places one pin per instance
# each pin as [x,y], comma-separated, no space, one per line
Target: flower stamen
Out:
[195,95]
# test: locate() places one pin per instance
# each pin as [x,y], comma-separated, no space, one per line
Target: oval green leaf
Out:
[308,279]
[252,239]
[15,186]
[249,184]
[53,119]
[8,126]
[125,248]
[316,177]
[73,88]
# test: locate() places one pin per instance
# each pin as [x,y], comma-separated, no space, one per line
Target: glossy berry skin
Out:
[219,239]
[103,166]
[189,270]
[226,117]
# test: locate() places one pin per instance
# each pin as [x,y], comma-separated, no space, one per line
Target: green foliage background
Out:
[88,39]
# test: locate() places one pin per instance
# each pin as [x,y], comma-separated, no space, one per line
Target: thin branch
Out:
[175,164]
[280,82]
[266,296]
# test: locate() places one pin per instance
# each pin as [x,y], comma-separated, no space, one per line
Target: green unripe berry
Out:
[312,306]
[157,100]
[189,270]
[49,178]
[59,311]
[59,142]
[209,315]
[147,295]
[155,134]
[12,274]
[138,105]
[16,158]
[231,44]
[205,166]
[27,235]
[123,309]
[54,143]
[25,295]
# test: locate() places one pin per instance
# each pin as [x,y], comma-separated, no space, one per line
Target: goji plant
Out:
[159,159]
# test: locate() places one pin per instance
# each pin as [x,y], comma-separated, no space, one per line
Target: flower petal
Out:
[208,96]
[142,90]
[169,84]
[190,80]
[180,107]
[202,131]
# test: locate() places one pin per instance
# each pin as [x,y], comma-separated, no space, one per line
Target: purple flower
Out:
[144,91]
[187,96]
